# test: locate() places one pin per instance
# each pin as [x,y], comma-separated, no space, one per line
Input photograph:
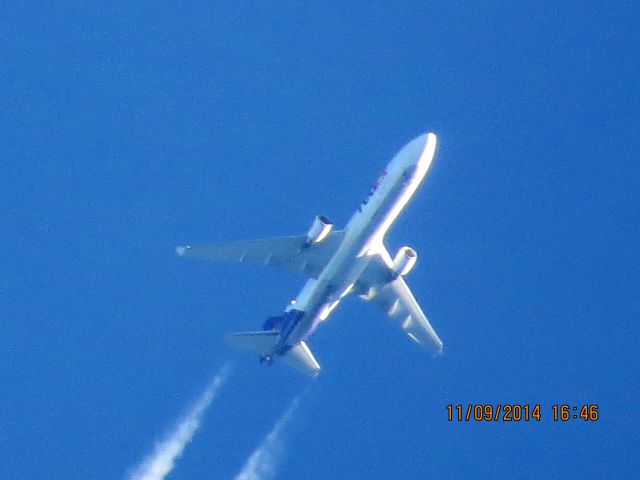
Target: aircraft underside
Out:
[338,263]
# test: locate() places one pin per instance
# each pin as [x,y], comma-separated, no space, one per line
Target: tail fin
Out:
[264,342]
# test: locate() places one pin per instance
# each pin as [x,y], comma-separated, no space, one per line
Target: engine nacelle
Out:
[404,261]
[319,230]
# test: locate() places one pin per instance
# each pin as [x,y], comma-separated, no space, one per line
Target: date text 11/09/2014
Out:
[521,412]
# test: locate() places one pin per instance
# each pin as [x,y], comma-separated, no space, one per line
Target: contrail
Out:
[264,459]
[160,463]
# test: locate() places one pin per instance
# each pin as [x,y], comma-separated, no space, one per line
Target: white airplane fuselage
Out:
[364,235]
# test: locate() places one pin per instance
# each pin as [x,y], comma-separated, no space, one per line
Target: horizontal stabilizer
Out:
[301,358]
[262,342]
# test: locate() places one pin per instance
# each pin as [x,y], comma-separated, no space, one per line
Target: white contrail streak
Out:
[263,461]
[160,463]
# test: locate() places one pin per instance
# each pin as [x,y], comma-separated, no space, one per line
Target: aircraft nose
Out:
[420,149]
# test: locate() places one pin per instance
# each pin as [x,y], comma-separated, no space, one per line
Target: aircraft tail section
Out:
[301,358]
[264,343]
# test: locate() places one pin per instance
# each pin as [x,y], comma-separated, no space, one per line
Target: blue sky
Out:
[125,130]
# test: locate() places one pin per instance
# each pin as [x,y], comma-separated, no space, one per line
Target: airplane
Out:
[338,263]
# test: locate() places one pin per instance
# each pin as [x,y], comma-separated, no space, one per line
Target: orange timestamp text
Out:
[514,412]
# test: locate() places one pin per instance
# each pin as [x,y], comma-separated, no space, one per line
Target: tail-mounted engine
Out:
[404,261]
[319,230]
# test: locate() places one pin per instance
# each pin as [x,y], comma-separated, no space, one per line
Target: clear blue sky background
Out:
[125,130]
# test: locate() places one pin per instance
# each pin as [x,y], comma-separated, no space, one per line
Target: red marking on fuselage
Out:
[379,180]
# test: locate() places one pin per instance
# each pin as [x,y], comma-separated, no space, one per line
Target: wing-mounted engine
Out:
[404,261]
[319,230]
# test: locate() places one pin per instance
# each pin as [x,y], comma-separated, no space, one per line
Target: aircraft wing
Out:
[288,252]
[396,299]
